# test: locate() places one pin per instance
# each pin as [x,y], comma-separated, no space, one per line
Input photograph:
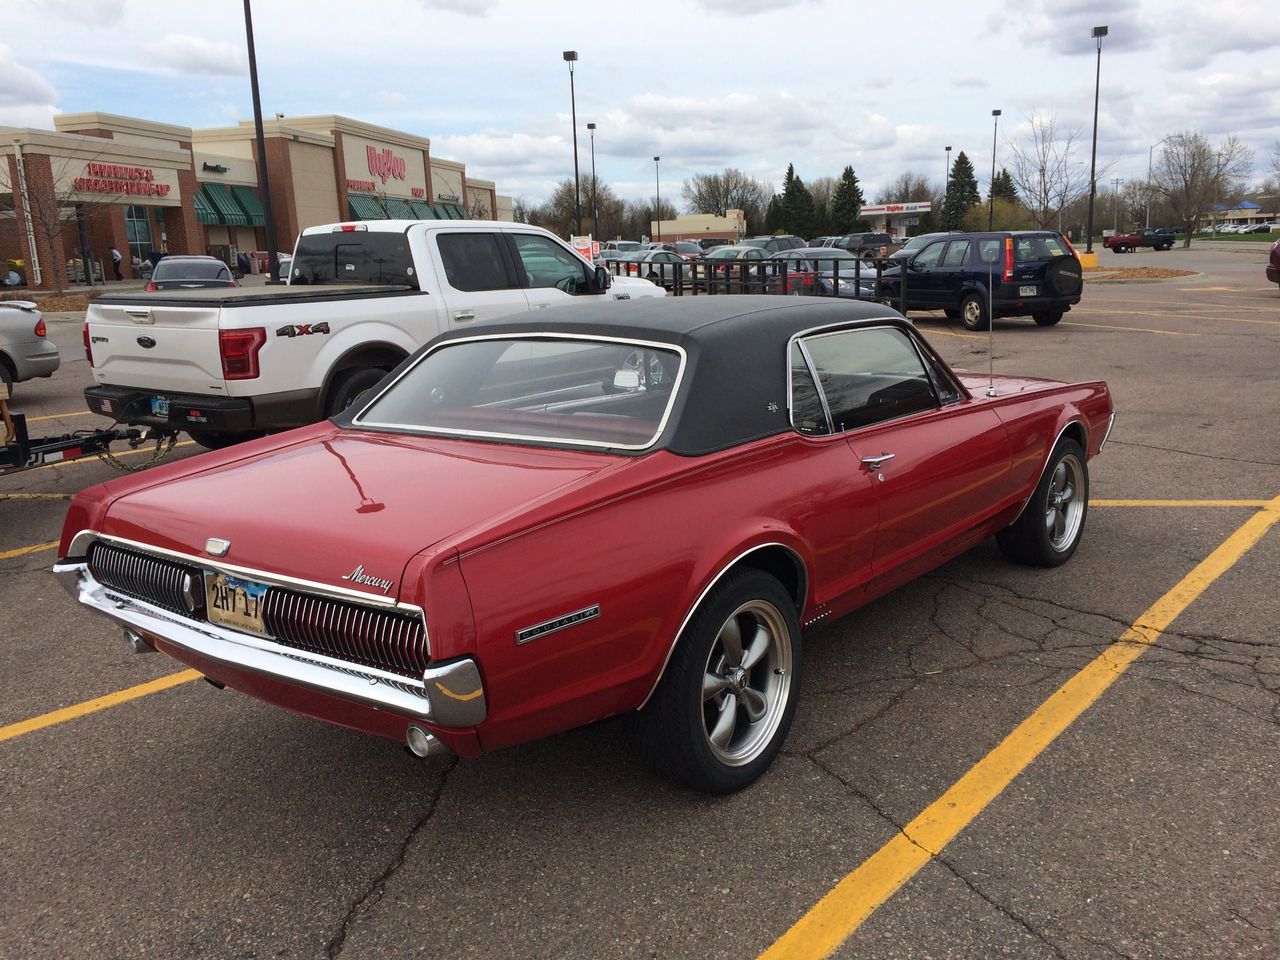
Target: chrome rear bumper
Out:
[451,695]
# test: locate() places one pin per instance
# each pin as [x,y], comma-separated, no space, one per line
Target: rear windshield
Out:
[179,269]
[360,256]
[578,391]
[1038,248]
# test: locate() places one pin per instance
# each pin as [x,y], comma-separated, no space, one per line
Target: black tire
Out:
[1048,318]
[681,731]
[1167,246]
[1122,248]
[951,313]
[350,385]
[973,312]
[219,441]
[6,377]
[1049,529]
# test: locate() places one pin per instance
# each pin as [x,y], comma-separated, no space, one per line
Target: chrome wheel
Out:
[746,683]
[1064,509]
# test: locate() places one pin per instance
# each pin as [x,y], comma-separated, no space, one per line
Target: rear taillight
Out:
[1008,259]
[88,351]
[151,286]
[1070,249]
[239,351]
[41,330]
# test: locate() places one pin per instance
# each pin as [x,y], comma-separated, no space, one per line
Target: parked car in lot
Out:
[820,270]
[867,245]
[917,243]
[1273,265]
[687,249]
[967,275]
[774,243]
[190,273]
[26,352]
[533,525]
[624,246]
[656,266]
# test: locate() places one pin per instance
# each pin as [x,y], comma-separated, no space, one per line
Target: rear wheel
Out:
[350,385]
[1047,318]
[1049,529]
[1121,248]
[973,313]
[726,701]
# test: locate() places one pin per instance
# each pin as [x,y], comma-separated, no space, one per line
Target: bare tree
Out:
[522,210]
[1048,174]
[910,187]
[1193,175]
[731,190]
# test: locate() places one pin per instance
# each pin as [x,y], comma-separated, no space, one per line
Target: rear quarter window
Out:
[1026,249]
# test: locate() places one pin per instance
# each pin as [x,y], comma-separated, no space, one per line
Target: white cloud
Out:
[183,53]
[26,98]
[467,8]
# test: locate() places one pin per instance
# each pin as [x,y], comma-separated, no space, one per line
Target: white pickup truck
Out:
[225,364]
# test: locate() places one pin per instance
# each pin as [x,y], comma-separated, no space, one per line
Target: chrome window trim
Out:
[358,421]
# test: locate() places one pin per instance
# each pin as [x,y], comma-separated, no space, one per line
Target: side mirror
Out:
[603,278]
[627,380]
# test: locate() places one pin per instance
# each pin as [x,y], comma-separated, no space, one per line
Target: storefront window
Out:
[138,231]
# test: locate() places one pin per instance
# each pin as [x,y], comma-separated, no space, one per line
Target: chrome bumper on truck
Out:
[450,694]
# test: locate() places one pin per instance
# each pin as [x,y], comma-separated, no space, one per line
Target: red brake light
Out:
[88,351]
[41,330]
[1070,249]
[239,350]
[1008,259]
[151,286]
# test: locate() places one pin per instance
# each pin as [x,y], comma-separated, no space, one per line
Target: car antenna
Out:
[991,329]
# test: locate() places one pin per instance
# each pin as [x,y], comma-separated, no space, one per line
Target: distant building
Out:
[695,226]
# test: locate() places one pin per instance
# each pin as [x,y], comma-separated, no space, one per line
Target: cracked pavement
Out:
[199,823]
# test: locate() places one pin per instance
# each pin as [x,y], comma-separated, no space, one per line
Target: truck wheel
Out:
[1121,248]
[973,313]
[350,385]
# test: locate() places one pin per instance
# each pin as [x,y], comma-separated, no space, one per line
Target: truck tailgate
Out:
[161,347]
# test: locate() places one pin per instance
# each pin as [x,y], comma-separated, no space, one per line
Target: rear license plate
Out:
[1028,291]
[235,603]
[159,406]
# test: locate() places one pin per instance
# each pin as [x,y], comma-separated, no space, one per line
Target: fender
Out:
[1073,418]
[356,336]
[341,362]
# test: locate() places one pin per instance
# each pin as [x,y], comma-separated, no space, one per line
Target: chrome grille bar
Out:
[145,578]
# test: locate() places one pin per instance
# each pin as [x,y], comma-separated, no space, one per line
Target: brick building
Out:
[102,181]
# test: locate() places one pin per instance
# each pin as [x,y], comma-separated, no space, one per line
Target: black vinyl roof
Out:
[735,383]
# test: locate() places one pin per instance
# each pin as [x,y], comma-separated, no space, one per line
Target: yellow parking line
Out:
[1112,326]
[94,459]
[1179,503]
[35,496]
[835,917]
[62,416]
[101,703]
[23,551]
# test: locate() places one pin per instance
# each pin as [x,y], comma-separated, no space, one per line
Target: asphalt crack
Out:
[374,892]
[1193,453]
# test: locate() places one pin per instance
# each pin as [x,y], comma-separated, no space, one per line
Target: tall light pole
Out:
[1150,150]
[991,194]
[1115,203]
[595,210]
[273,264]
[1098,34]
[946,179]
[657,201]
[571,57]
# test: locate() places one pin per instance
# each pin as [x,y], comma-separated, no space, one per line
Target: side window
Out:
[989,251]
[957,254]
[869,376]
[807,415]
[550,265]
[930,255]
[473,261]
[755,254]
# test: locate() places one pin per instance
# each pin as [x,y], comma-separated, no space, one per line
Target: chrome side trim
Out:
[804,593]
[449,695]
[563,622]
[1111,422]
[1053,446]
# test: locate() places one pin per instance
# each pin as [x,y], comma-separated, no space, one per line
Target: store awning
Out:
[422,210]
[205,212]
[398,209]
[248,200]
[361,206]
[228,210]
[450,211]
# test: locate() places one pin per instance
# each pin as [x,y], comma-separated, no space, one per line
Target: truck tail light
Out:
[239,350]
[88,350]
[1008,259]
[41,329]
[151,286]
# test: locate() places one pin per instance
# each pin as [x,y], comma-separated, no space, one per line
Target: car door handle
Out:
[874,463]
[464,316]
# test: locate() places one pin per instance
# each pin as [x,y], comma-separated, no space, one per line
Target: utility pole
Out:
[1115,203]
[273,262]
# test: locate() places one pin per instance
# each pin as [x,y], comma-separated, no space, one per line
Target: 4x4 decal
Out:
[302,329]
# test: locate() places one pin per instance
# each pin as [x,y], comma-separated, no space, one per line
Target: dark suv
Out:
[1029,273]
[867,245]
[783,241]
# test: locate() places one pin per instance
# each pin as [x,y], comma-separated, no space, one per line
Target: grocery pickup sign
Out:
[119,178]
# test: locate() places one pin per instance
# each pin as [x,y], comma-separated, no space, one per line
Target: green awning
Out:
[450,211]
[460,212]
[228,210]
[362,206]
[398,209]
[422,210]
[205,212]
[247,197]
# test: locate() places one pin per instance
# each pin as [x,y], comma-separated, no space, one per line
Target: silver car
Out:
[25,350]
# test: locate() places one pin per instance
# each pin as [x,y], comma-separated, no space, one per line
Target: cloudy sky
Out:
[705,84]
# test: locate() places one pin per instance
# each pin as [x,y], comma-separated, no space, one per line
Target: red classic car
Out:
[529,526]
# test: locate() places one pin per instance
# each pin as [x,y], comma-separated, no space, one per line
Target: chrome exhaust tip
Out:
[423,744]
[137,643]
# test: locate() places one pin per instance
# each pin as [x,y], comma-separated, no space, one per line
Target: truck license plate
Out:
[235,603]
[159,406]
[1027,291]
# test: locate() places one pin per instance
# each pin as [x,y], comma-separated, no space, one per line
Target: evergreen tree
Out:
[800,215]
[846,205]
[774,216]
[962,193]
[788,177]
[1002,187]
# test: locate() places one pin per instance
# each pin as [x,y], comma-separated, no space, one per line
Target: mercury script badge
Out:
[217,547]
[359,576]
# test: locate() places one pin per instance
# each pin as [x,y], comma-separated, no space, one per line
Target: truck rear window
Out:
[354,257]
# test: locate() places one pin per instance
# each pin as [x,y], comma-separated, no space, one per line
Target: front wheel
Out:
[726,701]
[973,313]
[1048,531]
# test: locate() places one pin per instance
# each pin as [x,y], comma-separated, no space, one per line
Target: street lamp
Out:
[571,57]
[946,179]
[1098,34]
[657,201]
[991,194]
[595,210]
[273,264]
[1150,150]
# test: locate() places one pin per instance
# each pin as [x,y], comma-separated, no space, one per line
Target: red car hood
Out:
[347,503]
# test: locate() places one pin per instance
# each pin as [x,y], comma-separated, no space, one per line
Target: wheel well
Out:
[381,355]
[784,566]
[8,364]
[1075,430]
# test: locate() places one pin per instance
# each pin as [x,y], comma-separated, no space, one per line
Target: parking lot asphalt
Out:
[1133,818]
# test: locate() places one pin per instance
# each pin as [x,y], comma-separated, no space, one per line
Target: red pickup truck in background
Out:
[1160,238]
